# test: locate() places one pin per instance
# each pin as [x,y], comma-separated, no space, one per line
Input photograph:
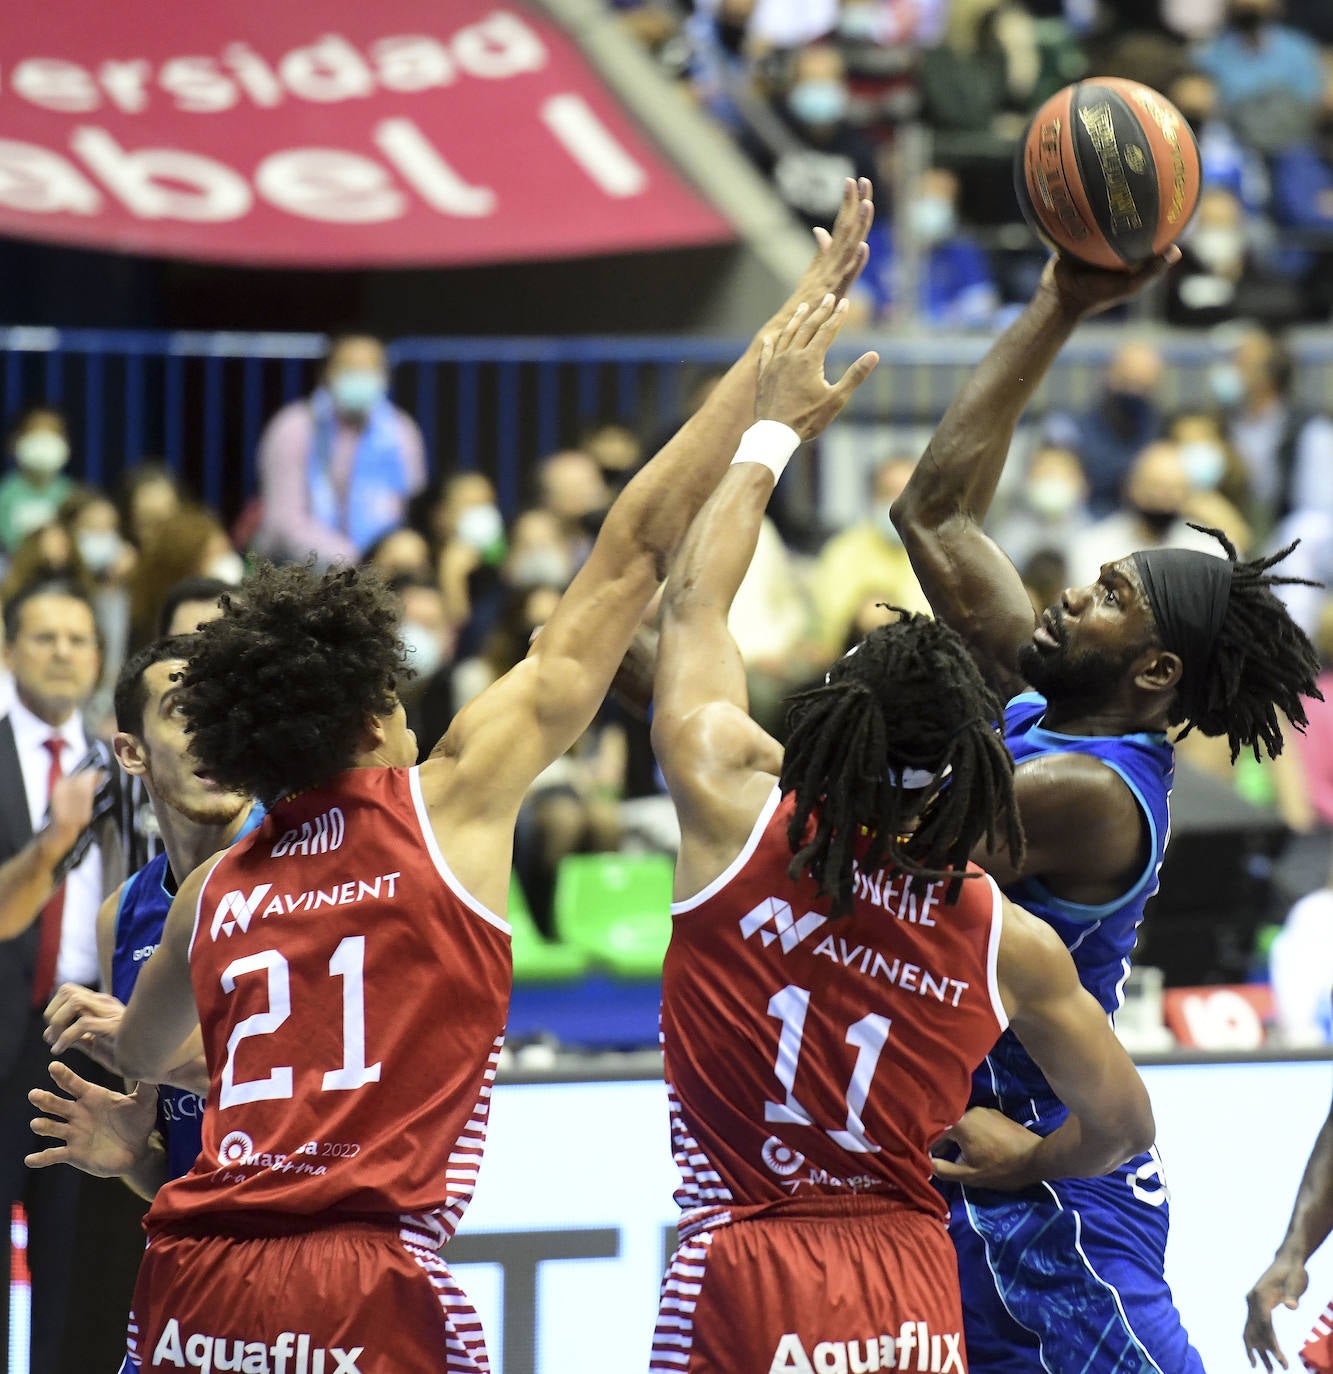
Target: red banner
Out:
[402,132]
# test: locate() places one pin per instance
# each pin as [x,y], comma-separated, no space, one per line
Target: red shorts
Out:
[830,1286]
[346,1298]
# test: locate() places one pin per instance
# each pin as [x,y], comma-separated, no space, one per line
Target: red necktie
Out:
[48,941]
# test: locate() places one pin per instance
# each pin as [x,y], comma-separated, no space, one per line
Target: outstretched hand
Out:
[841,255]
[104,1133]
[1090,290]
[1282,1282]
[792,387]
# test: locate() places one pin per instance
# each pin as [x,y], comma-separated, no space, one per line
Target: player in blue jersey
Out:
[1069,1276]
[150,1134]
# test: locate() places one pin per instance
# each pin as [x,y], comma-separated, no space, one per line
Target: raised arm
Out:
[1285,1279]
[1071,1041]
[719,765]
[969,582]
[503,739]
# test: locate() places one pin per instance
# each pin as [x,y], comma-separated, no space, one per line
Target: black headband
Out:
[1188,592]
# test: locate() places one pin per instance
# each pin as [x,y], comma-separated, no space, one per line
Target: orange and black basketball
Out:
[1108,172]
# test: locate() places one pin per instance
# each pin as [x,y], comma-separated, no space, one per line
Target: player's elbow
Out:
[1129,1129]
[136,1056]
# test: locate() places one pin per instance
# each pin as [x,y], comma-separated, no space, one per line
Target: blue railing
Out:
[199,401]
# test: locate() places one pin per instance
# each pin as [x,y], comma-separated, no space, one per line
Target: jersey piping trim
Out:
[738,863]
[993,954]
[441,866]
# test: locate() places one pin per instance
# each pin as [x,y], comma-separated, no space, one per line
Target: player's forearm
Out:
[963,462]
[1084,1147]
[27,881]
[1312,1216]
[719,547]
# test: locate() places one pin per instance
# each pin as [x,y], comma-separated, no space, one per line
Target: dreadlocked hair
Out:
[1263,663]
[279,690]
[907,697]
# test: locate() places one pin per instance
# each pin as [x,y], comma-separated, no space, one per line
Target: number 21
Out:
[348,963]
[867,1036]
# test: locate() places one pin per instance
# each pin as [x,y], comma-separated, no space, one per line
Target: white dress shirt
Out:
[77,960]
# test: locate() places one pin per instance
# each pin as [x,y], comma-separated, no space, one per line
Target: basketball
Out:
[1108,173]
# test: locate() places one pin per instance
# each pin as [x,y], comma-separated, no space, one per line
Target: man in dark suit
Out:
[47,914]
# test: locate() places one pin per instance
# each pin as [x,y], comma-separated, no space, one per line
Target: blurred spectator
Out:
[1045,575]
[1301,971]
[954,288]
[1219,277]
[1110,437]
[428,637]
[190,544]
[615,449]
[987,64]
[46,554]
[1315,745]
[31,495]
[865,560]
[1155,516]
[191,603]
[571,487]
[770,621]
[1287,448]
[1225,161]
[94,524]
[538,554]
[1051,509]
[148,495]
[1210,458]
[719,48]
[336,470]
[401,552]
[1270,78]
[822,147]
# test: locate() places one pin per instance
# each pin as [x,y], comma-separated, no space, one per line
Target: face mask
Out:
[43,454]
[932,218]
[818,102]
[1226,384]
[888,531]
[228,568]
[425,649]
[1052,497]
[1205,462]
[544,567]
[357,392]
[1217,247]
[483,528]
[1158,521]
[98,549]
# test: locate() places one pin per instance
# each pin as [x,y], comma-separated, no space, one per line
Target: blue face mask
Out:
[1226,384]
[357,391]
[818,102]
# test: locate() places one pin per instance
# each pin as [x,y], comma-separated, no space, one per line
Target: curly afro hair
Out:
[278,691]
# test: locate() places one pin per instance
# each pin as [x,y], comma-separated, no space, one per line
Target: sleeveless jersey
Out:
[807,1056]
[1100,938]
[352,998]
[144,902]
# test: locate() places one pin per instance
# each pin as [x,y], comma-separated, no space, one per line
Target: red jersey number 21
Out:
[867,1037]
[348,963]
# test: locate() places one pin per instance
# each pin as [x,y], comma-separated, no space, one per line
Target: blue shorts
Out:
[1068,1277]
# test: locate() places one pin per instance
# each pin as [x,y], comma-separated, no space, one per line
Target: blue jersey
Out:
[1100,938]
[144,902]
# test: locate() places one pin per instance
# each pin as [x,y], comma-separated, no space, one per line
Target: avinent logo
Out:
[236,909]
[774,912]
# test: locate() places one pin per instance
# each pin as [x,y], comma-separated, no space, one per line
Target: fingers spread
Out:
[811,324]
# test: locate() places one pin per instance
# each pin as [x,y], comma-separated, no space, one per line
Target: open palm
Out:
[102,1132]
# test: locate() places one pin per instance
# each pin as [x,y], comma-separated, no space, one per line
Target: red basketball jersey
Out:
[806,1055]
[353,1000]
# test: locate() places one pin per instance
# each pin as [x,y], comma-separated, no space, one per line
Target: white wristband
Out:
[769,443]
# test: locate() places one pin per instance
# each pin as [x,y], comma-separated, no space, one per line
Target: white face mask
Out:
[42,453]
[1051,497]
[228,568]
[425,649]
[481,526]
[932,219]
[540,567]
[1218,247]
[99,549]
[1204,462]
[1226,384]
[883,518]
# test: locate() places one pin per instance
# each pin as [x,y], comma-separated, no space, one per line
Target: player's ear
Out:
[130,753]
[1158,670]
